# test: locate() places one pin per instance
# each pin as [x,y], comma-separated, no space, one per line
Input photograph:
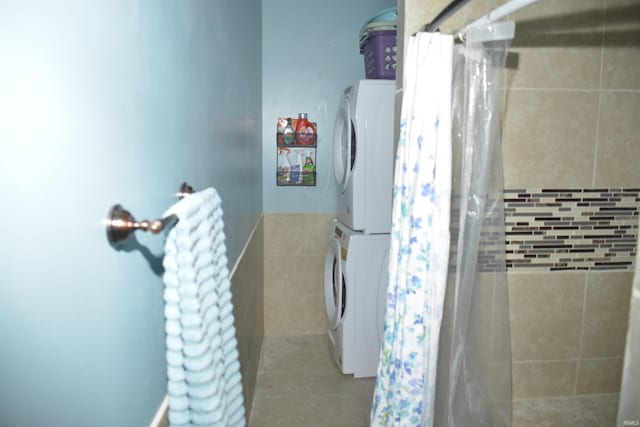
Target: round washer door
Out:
[334,285]
[344,145]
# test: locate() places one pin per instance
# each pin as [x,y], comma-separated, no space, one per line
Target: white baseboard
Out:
[162,416]
[246,245]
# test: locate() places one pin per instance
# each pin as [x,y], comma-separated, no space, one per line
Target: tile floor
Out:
[299,386]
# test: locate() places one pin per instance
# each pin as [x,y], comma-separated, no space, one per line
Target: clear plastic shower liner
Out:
[473,387]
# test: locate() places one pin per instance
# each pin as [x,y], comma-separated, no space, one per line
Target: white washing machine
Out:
[363,155]
[355,287]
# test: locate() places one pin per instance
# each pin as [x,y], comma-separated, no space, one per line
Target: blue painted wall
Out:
[310,54]
[104,102]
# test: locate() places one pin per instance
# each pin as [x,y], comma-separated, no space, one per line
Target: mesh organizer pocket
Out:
[304,179]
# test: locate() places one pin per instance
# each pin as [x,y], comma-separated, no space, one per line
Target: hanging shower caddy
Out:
[296,157]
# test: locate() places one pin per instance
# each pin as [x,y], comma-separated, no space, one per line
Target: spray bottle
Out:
[308,170]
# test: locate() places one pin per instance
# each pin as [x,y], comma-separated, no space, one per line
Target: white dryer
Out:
[363,155]
[355,285]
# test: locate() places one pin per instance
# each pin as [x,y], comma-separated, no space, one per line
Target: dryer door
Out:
[344,145]
[334,285]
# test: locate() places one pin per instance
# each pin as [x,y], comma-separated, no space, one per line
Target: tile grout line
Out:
[593,182]
[571,359]
[584,310]
[567,396]
[555,89]
[600,91]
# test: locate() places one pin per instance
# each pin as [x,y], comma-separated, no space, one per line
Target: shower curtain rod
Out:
[449,10]
[496,14]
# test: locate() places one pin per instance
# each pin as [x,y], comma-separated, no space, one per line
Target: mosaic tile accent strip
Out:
[571,229]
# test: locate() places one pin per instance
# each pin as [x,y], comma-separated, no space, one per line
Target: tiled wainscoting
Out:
[570,260]
[294,249]
[567,327]
[247,290]
[568,331]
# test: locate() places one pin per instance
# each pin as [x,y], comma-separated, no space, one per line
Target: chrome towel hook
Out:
[120,224]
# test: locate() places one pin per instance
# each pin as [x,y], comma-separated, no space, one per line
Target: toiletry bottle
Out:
[305,130]
[300,165]
[295,177]
[308,171]
[288,133]
[284,169]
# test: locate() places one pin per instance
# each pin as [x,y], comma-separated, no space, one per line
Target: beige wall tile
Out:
[293,292]
[547,15]
[546,315]
[620,64]
[299,315]
[488,328]
[621,57]
[555,67]
[501,321]
[274,276]
[318,228]
[250,376]
[315,316]
[549,138]
[245,336]
[246,279]
[282,316]
[599,376]
[606,314]
[297,233]
[294,275]
[246,287]
[618,153]
[259,320]
[249,360]
[284,234]
[538,379]
[558,45]
[419,12]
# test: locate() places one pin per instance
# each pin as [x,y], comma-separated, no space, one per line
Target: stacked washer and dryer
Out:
[355,269]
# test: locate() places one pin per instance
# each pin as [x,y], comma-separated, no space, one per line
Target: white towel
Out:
[204,383]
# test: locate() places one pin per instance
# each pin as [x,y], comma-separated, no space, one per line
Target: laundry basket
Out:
[378,45]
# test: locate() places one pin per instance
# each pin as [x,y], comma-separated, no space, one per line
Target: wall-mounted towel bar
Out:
[121,224]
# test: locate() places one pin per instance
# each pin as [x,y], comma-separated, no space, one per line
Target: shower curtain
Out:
[445,359]
[474,359]
[418,254]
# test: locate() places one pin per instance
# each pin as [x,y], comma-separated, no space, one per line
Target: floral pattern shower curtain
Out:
[419,252]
